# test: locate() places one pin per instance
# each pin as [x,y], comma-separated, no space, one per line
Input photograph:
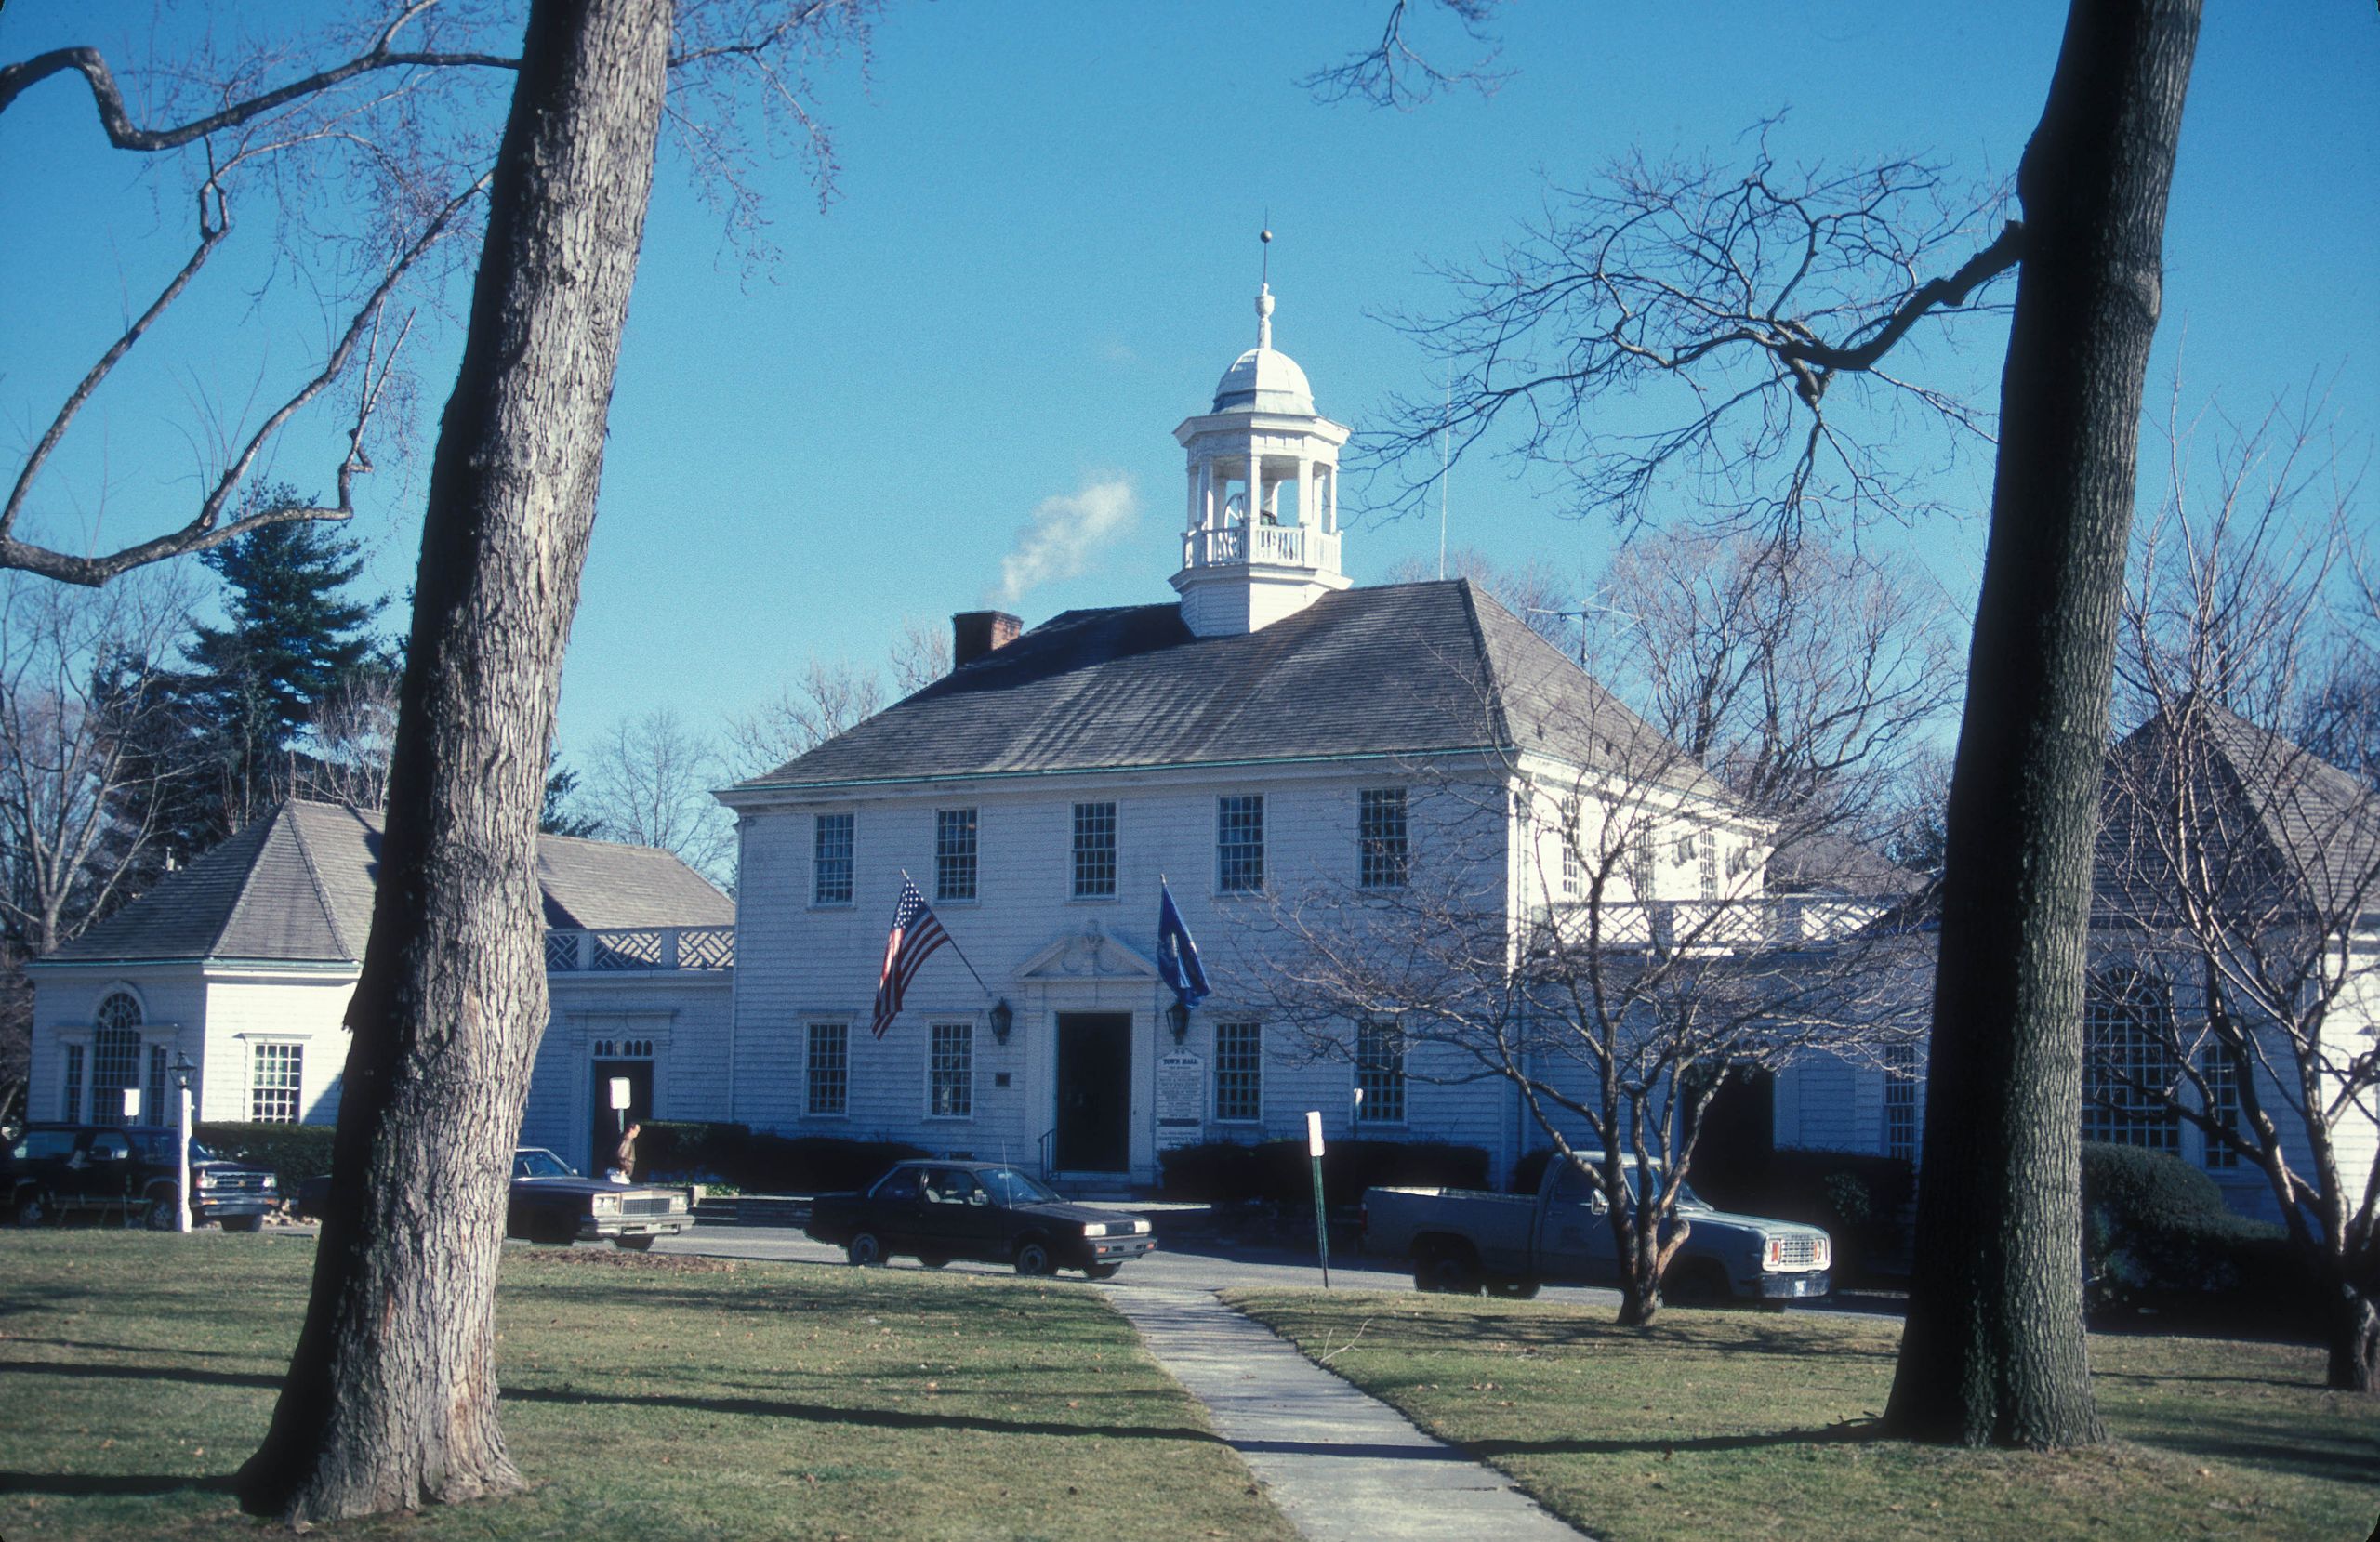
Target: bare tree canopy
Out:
[1765,314]
[649,782]
[360,143]
[1394,72]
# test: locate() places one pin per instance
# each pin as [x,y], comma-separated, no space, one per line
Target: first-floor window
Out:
[2220,1065]
[830,1068]
[950,1080]
[153,1112]
[1900,1101]
[1239,1070]
[276,1084]
[1379,1072]
[71,1110]
[2127,1064]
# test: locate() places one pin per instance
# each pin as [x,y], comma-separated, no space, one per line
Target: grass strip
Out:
[1745,1425]
[644,1396]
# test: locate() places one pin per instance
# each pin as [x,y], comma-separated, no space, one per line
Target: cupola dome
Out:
[1264,379]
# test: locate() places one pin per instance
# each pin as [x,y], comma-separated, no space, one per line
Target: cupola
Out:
[1263,541]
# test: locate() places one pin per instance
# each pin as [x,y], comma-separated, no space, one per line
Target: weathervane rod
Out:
[1264,238]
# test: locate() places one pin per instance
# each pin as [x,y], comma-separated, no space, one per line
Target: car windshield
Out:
[158,1146]
[540,1163]
[1686,1198]
[1010,1187]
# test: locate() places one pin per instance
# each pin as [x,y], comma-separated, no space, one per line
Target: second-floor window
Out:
[1707,853]
[953,854]
[1095,851]
[1573,871]
[1379,837]
[829,1068]
[831,852]
[1239,844]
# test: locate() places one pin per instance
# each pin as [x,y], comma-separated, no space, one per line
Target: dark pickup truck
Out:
[1461,1241]
[53,1170]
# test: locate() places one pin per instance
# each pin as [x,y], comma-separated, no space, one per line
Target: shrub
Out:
[815,1165]
[295,1151]
[683,1150]
[1282,1172]
[2157,1235]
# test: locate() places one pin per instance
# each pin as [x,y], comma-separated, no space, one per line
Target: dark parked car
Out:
[944,1210]
[551,1203]
[53,1170]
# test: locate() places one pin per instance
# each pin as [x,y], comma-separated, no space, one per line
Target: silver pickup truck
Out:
[1464,1239]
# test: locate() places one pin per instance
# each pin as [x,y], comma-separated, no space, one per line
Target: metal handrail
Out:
[1047,1136]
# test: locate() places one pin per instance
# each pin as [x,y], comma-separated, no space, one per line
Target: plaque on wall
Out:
[1181,1097]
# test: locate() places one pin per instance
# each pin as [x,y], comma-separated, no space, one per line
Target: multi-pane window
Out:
[1707,855]
[2220,1066]
[1573,871]
[72,1109]
[1239,844]
[831,860]
[953,854]
[1379,837]
[1095,851]
[1900,1101]
[152,1110]
[276,1083]
[1379,1072]
[950,1077]
[1640,866]
[116,1057]
[829,1069]
[1239,1070]
[2127,1065]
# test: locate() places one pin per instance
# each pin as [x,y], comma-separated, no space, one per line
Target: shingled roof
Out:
[1402,670]
[297,886]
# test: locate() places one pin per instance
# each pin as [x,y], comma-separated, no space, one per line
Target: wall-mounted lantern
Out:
[1177,1017]
[1003,1017]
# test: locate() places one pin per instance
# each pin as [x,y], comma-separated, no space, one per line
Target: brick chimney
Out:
[975,633]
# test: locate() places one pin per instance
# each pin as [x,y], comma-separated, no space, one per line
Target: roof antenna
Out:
[1445,416]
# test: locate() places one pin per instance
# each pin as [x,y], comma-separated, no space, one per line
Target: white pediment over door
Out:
[1090,955]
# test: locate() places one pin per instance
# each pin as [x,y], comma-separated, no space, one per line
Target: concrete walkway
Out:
[1344,1466]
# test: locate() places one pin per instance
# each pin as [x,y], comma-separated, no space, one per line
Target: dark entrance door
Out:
[1094,1125]
[607,1123]
[1732,1157]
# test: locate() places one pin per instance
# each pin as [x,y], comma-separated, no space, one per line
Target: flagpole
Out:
[953,942]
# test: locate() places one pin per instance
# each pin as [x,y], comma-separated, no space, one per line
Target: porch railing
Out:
[640,949]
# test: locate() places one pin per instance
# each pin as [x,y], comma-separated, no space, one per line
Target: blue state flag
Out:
[1177,956]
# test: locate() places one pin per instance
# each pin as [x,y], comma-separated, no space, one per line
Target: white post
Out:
[181,1148]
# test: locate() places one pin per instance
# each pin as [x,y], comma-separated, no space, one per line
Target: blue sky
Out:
[1043,254]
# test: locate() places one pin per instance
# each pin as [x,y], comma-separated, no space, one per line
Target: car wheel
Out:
[1032,1258]
[1453,1271]
[165,1210]
[34,1208]
[634,1244]
[934,1260]
[244,1223]
[865,1250]
[1102,1271]
[1699,1284]
[554,1231]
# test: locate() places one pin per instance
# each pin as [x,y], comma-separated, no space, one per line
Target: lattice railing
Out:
[641,949]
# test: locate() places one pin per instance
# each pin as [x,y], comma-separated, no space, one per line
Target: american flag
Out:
[916,933]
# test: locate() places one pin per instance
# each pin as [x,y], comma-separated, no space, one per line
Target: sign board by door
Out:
[1181,1099]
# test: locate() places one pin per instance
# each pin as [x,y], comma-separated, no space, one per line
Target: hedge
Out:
[684,1151]
[2158,1237]
[295,1151]
[1228,1172]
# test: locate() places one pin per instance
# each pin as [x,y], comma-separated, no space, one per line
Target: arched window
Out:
[115,1056]
[2128,1065]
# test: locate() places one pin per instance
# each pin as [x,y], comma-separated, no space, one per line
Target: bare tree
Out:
[1609,927]
[1394,72]
[1756,306]
[2240,873]
[1546,603]
[80,696]
[649,782]
[828,696]
[350,741]
[920,656]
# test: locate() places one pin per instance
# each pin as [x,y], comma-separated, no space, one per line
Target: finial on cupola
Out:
[1264,291]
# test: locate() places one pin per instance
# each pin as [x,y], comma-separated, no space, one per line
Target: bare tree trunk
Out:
[1993,1351]
[2355,1341]
[391,1395]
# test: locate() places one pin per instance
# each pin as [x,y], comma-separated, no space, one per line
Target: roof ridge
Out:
[314,875]
[1499,722]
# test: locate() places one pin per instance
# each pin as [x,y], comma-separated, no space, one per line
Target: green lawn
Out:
[644,1396]
[1742,1425]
